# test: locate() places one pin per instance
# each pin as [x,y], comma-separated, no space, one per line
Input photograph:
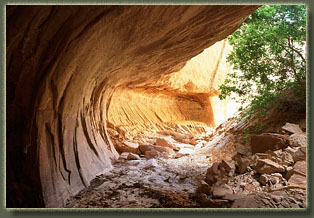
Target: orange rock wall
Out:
[141,109]
[188,96]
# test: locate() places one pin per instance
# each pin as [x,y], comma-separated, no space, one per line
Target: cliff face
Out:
[188,96]
[66,65]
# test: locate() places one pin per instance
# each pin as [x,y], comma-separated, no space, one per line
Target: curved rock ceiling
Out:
[65,64]
[188,97]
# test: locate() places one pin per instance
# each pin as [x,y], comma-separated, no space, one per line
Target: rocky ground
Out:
[215,169]
[141,184]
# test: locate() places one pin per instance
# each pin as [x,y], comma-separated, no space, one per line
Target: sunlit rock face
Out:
[189,96]
[63,65]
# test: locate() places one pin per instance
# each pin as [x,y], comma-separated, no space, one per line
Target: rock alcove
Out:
[78,75]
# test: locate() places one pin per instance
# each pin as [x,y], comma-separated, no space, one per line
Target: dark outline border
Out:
[139,212]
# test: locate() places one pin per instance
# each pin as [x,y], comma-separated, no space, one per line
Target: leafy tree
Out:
[268,57]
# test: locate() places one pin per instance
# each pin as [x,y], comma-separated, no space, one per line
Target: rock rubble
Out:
[273,179]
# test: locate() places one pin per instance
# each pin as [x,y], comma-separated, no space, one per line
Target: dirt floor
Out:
[154,183]
[168,183]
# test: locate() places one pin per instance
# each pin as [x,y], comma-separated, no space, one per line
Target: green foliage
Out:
[247,138]
[267,57]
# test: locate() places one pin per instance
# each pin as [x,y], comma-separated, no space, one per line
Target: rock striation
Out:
[189,96]
[66,65]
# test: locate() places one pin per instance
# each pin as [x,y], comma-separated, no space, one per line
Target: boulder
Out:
[162,149]
[298,168]
[203,187]
[297,154]
[228,166]
[258,156]
[144,148]
[292,128]
[163,155]
[267,141]
[219,171]
[124,156]
[241,164]
[167,142]
[151,151]
[212,174]
[283,158]
[297,179]
[297,140]
[151,154]
[219,192]
[286,159]
[127,147]
[268,166]
[132,156]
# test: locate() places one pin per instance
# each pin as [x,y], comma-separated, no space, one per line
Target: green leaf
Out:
[268,50]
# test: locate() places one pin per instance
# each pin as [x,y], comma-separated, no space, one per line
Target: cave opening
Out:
[117,106]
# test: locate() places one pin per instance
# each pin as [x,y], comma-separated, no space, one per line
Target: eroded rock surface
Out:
[64,64]
[189,96]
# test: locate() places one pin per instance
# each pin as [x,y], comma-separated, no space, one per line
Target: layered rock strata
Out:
[189,96]
[63,64]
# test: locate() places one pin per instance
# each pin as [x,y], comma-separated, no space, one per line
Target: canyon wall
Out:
[189,96]
[66,63]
